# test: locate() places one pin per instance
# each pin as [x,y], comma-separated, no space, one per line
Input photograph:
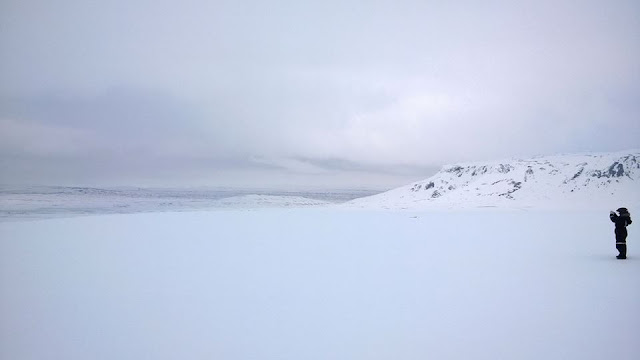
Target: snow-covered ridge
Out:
[574,180]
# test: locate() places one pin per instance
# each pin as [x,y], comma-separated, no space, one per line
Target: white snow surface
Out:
[43,202]
[573,181]
[319,283]
[258,201]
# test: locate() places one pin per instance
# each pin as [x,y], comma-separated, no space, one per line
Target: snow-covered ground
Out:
[320,283]
[45,202]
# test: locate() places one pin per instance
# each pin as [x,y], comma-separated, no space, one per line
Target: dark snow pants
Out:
[621,241]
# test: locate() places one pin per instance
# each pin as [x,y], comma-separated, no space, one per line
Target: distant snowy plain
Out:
[328,282]
[45,202]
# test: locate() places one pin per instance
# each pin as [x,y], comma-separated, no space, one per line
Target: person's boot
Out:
[622,251]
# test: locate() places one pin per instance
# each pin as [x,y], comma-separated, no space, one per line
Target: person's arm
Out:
[613,216]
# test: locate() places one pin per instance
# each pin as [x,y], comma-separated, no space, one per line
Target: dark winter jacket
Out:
[621,220]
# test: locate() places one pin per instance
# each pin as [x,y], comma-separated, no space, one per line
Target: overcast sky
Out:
[333,93]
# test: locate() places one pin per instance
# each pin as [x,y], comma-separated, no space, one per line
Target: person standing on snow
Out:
[622,219]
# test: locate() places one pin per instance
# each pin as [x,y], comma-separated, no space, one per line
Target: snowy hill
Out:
[576,180]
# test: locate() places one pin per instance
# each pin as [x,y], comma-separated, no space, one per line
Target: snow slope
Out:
[319,283]
[604,180]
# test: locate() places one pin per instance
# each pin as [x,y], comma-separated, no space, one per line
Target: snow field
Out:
[319,284]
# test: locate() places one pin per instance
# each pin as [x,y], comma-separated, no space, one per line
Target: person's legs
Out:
[621,242]
[622,249]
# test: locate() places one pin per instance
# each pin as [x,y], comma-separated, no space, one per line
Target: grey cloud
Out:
[390,169]
[116,121]
[388,86]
